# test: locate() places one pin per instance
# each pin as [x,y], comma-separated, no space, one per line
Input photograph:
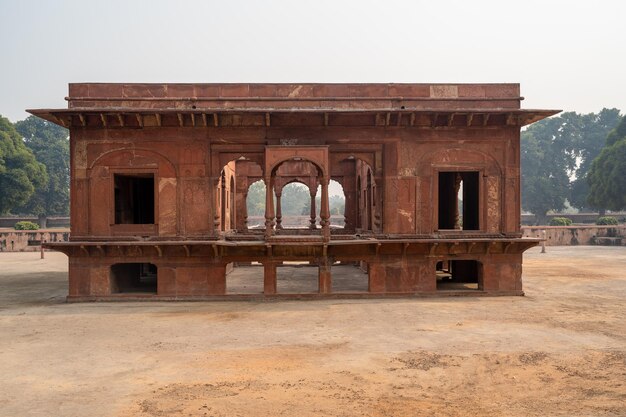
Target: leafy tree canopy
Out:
[617,134]
[50,145]
[256,199]
[556,155]
[588,143]
[295,200]
[607,179]
[545,163]
[20,173]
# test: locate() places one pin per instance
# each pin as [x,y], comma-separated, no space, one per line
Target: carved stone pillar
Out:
[269,207]
[325,211]
[378,201]
[312,220]
[214,184]
[279,212]
[244,212]
[241,206]
[457,185]
[350,207]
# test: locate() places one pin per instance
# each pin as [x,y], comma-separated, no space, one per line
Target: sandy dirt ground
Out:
[558,351]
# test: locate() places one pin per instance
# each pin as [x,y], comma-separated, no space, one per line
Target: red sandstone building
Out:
[160,175]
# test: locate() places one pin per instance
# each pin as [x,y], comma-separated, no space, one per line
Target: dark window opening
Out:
[459,275]
[134,277]
[134,199]
[458,201]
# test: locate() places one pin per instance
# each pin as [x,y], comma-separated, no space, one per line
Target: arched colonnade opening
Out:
[353,198]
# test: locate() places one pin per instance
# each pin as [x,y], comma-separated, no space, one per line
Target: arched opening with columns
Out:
[352,170]
[226,192]
[296,176]
[366,195]
[231,193]
[295,205]
[308,165]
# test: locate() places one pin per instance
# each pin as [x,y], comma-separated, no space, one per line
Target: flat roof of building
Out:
[90,102]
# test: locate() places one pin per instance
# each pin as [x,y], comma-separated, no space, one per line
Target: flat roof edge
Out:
[293,91]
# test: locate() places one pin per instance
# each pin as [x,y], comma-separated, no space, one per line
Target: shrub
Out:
[560,221]
[607,220]
[25,225]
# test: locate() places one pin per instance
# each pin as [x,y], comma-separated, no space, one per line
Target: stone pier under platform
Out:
[370,267]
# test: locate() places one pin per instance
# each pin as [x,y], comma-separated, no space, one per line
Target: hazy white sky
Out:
[566,54]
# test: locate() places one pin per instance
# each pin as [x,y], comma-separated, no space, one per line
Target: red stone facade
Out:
[160,174]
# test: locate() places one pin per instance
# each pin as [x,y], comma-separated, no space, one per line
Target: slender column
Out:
[215,207]
[378,201]
[312,226]
[279,213]
[223,198]
[457,186]
[244,212]
[241,207]
[350,210]
[325,211]
[269,208]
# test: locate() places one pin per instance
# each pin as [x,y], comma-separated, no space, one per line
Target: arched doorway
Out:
[293,206]
[255,205]
[283,165]
[232,187]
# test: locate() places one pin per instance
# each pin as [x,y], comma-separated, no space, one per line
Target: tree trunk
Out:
[43,221]
[541,219]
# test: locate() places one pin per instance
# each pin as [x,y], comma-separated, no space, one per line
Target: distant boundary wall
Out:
[53,222]
[527,219]
[578,235]
[578,218]
[30,240]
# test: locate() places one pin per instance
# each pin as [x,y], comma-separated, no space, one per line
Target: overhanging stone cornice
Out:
[125,117]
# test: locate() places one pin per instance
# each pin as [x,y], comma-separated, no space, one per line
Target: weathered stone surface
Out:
[392,147]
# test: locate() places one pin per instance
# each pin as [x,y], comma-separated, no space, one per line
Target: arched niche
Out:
[224,158]
[120,178]
[457,157]
[136,159]
[475,174]
[317,155]
[232,183]
[336,158]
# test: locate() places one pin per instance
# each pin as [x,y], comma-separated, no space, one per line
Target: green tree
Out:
[20,173]
[546,158]
[337,205]
[588,143]
[617,134]
[607,179]
[294,198]
[50,145]
[556,155]
[256,199]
